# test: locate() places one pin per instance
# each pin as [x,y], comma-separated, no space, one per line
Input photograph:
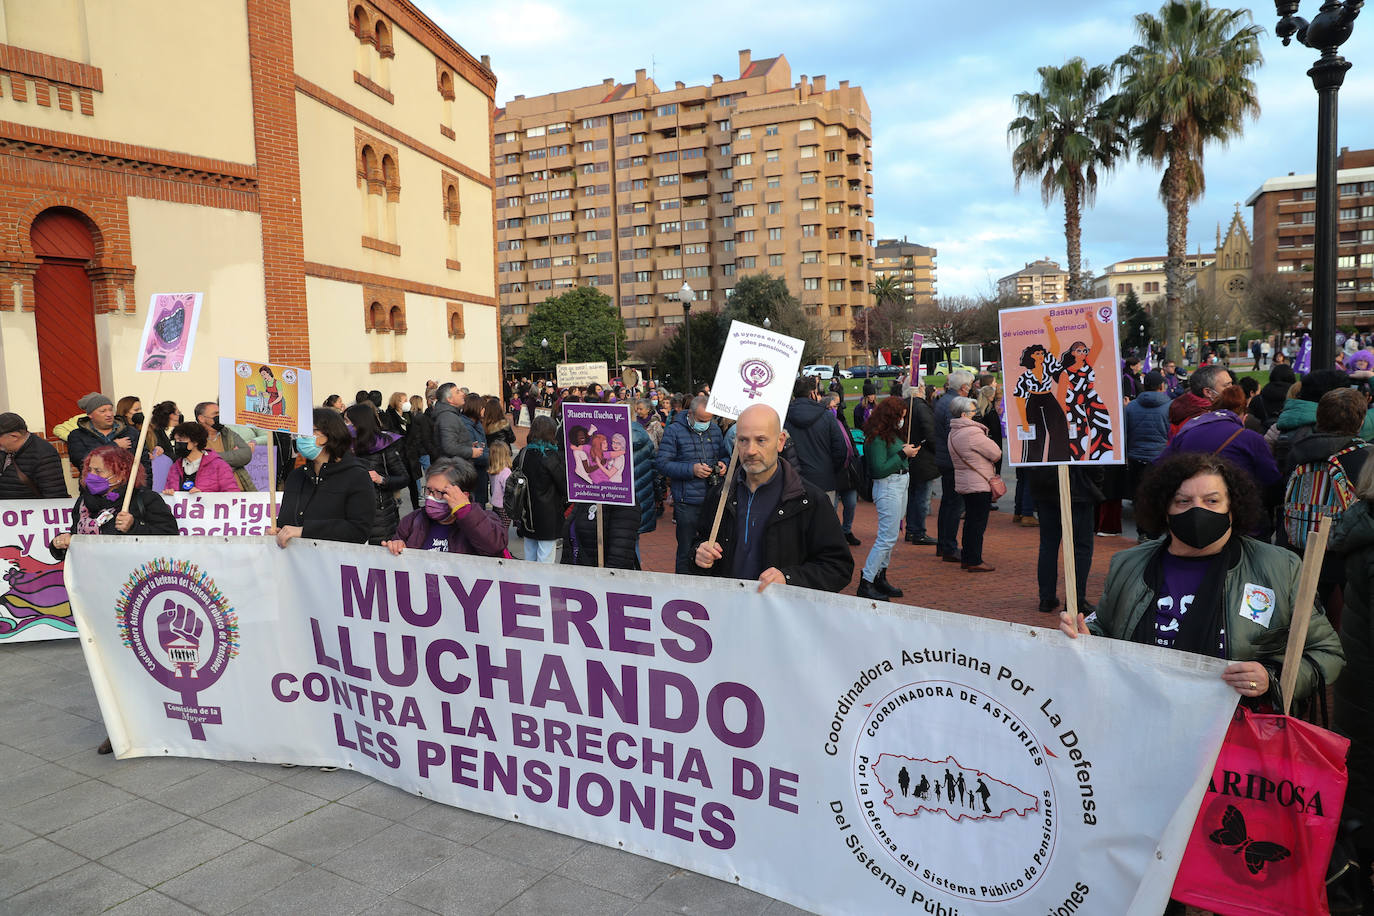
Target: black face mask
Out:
[137,420]
[1199,527]
[217,425]
[181,450]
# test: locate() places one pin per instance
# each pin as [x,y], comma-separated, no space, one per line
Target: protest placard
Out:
[169,332]
[924,762]
[756,367]
[1062,365]
[266,395]
[917,342]
[600,461]
[579,375]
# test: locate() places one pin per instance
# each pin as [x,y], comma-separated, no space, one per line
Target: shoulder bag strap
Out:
[1218,450]
[25,479]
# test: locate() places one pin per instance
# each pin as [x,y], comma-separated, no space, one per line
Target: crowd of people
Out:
[1225,478]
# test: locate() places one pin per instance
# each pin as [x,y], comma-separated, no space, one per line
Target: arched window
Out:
[398,319]
[391,180]
[455,324]
[452,213]
[383,40]
[370,187]
[376,317]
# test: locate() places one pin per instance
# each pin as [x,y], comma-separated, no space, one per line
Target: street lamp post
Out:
[1326,33]
[684,295]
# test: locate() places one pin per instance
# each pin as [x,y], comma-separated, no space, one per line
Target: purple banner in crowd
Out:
[596,441]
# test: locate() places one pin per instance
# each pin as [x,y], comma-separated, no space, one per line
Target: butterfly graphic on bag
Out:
[1257,852]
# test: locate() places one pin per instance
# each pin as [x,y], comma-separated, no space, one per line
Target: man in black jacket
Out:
[816,437]
[452,436]
[922,468]
[777,526]
[30,467]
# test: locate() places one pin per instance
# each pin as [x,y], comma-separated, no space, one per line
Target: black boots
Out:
[886,587]
[869,590]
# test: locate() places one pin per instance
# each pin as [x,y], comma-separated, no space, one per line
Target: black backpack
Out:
[517,503]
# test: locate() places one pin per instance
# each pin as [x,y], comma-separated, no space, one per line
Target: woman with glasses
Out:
[449,521]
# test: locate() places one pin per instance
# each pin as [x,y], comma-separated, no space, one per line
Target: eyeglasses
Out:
[437,494]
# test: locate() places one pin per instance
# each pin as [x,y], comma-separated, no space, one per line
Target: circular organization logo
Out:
[756,373]
[179,626]
[289,376]
[244,370]
[973,813]
[1258,601]
[1104,314]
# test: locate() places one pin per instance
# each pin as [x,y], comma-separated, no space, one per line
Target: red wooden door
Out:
[64,313]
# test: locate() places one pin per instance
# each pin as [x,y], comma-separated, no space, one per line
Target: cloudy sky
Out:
[941,100]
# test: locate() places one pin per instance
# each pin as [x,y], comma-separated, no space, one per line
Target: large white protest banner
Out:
[813,747]
[33,597]
[575,374]
[756,367]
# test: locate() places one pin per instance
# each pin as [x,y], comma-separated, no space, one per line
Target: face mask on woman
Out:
[437,509]
[308,447]
[97,485]
[405,408]
[137,419]
[181,450]
[1199,527]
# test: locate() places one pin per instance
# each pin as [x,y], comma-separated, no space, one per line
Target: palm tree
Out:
[1066,134]
[889,299]
[1186,83]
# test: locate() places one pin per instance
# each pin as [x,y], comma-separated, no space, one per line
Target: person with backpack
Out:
[1299,416]
[1221,432]
[1321,470]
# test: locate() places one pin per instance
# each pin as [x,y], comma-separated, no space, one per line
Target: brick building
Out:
[1285,210]
[634,189]
[911,265]
[256,151]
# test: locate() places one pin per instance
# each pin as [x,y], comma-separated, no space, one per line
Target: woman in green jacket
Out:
[887,458]
[1207,588]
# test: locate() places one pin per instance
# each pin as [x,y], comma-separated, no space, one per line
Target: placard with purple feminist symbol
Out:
[756,367]
[600,459]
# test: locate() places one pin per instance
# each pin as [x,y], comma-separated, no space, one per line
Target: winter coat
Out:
[683,447]
[150,511]
[802,539]
[386,458]
[1127,596]
[473,530]
[452,433]
[338,504]
[1321,446]
[921,431]
[548,491]
[942,424]
[235,452]
[213,476]
[481,489]
[502,432]
[1354,712]
[1208,433]
[654,427]
[1299,420]
[1184,408]
[620,528]
[1147,426]
[1268,404]
[973,454]
[1130,385]
[646,484]
[85,439]
[39,461]
[819,441]
[393,421]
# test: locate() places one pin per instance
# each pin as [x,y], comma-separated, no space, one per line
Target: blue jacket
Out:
[1147,425]
[683,447]
[642,448]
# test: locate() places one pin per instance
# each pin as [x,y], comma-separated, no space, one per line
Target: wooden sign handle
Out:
[1303,608]
[1066,545]
[138,449]
[724,493]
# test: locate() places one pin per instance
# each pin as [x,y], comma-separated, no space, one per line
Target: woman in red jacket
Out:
[195,468]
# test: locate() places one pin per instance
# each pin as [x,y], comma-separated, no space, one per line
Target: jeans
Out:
[686,518]
[849,499]
[951,507]
[889,497]
[917,507]
[976,509]
[1023,503]
[540,551]
[1047,566]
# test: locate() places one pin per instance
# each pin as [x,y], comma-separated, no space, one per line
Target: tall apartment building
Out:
[912,265]
[636,189]
[1039,281]
[1285,212]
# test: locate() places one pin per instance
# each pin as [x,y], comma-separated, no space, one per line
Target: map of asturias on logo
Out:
[914,784]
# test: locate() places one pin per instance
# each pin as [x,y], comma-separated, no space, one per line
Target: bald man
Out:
[777,527]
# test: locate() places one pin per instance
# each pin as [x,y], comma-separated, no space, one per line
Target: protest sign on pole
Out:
[169,332]
[33,595]
[756,366]
[925,761]
[1060,409]
[599,457]
[266,396]
[580,375]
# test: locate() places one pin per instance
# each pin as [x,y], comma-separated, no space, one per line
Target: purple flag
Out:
[1149,356]
[1303,364]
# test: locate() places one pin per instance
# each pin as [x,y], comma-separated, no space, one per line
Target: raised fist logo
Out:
[178,632]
